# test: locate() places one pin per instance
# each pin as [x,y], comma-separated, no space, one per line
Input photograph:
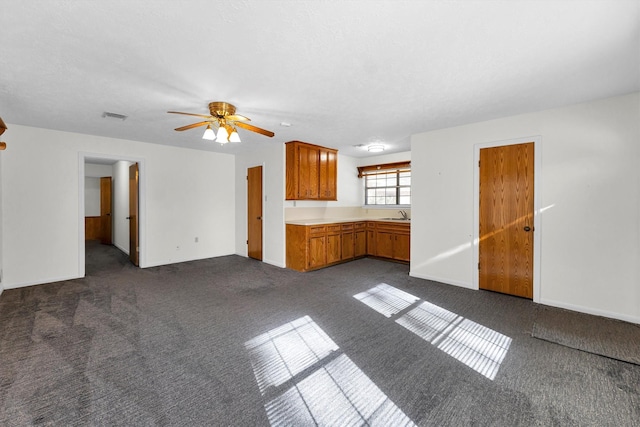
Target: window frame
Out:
[386,169]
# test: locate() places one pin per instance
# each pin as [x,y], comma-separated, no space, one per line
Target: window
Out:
[387,185]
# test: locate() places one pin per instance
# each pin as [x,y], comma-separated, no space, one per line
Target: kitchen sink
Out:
[395,219]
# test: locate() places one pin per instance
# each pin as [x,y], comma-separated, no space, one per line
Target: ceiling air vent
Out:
[106,114]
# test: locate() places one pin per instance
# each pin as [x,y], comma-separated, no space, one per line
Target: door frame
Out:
[142,211]
[537,167]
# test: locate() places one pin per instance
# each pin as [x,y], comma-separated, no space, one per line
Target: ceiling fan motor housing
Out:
[221,109]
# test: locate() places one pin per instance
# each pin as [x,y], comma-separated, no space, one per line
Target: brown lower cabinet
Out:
[310,247]
[392,240]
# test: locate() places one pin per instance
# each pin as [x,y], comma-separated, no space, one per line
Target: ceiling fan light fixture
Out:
[209,134]
[375,148]
[234,137]
[223,136]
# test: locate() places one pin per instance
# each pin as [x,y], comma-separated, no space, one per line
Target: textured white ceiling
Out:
[343,73]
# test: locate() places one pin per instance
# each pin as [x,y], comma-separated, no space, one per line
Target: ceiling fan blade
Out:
[191,114]
[237,117]
[193,125]
[3,127]
[254,129]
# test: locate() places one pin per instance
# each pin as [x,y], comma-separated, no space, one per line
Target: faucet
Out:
[404,214]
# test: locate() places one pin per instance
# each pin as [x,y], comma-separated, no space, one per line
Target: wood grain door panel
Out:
[328,164]
[384,244]
[506,219]
[348,245]
[333,248]
[401,247]
[309,173]
[317,251]
[254,212]
[133,214]
[360,246]
[106,224]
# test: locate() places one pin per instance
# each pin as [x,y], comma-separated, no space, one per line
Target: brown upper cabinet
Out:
[311,172]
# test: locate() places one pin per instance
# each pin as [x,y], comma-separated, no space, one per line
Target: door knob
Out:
[527,228]
[259,217]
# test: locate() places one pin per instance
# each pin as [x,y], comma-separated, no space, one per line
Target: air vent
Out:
[106,115]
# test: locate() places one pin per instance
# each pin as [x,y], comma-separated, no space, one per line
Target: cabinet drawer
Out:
[389,226]
[333,227]
[360,225]
[315,229]
[347,227]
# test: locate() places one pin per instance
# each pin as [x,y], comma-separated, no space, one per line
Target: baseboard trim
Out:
[589,310]
[274,263]
[126,251]
[442,280]
[41,282]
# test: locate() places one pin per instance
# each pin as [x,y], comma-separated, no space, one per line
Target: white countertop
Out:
[320,221]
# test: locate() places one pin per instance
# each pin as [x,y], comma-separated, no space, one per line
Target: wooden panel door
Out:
[133,214]
[348,244]
[328,164]
[317,251]
[401,247]
[384,243]
[254,212]
[360,246]
[506,219]
[371,239]
[332,175]
[308,173]
[106,225]
[334,246]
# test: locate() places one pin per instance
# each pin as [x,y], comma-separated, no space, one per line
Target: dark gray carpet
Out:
[598,335]
[231,341]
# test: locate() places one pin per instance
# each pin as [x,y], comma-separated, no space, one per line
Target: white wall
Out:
[91,196]
[589,200]
[187,196]
[385,158]
[271,157]
[121,205]
[97,170]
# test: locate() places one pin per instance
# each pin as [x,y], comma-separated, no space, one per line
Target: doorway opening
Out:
[104,214]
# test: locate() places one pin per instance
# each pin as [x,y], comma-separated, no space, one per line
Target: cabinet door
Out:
[360,246]
[328,165]
[401,247]
[308,161]
[347,245]
[384,243]
[317,251]
[332,175]
[371,242]
[333,248]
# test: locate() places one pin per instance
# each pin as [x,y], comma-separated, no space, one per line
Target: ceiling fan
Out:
[223,116]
